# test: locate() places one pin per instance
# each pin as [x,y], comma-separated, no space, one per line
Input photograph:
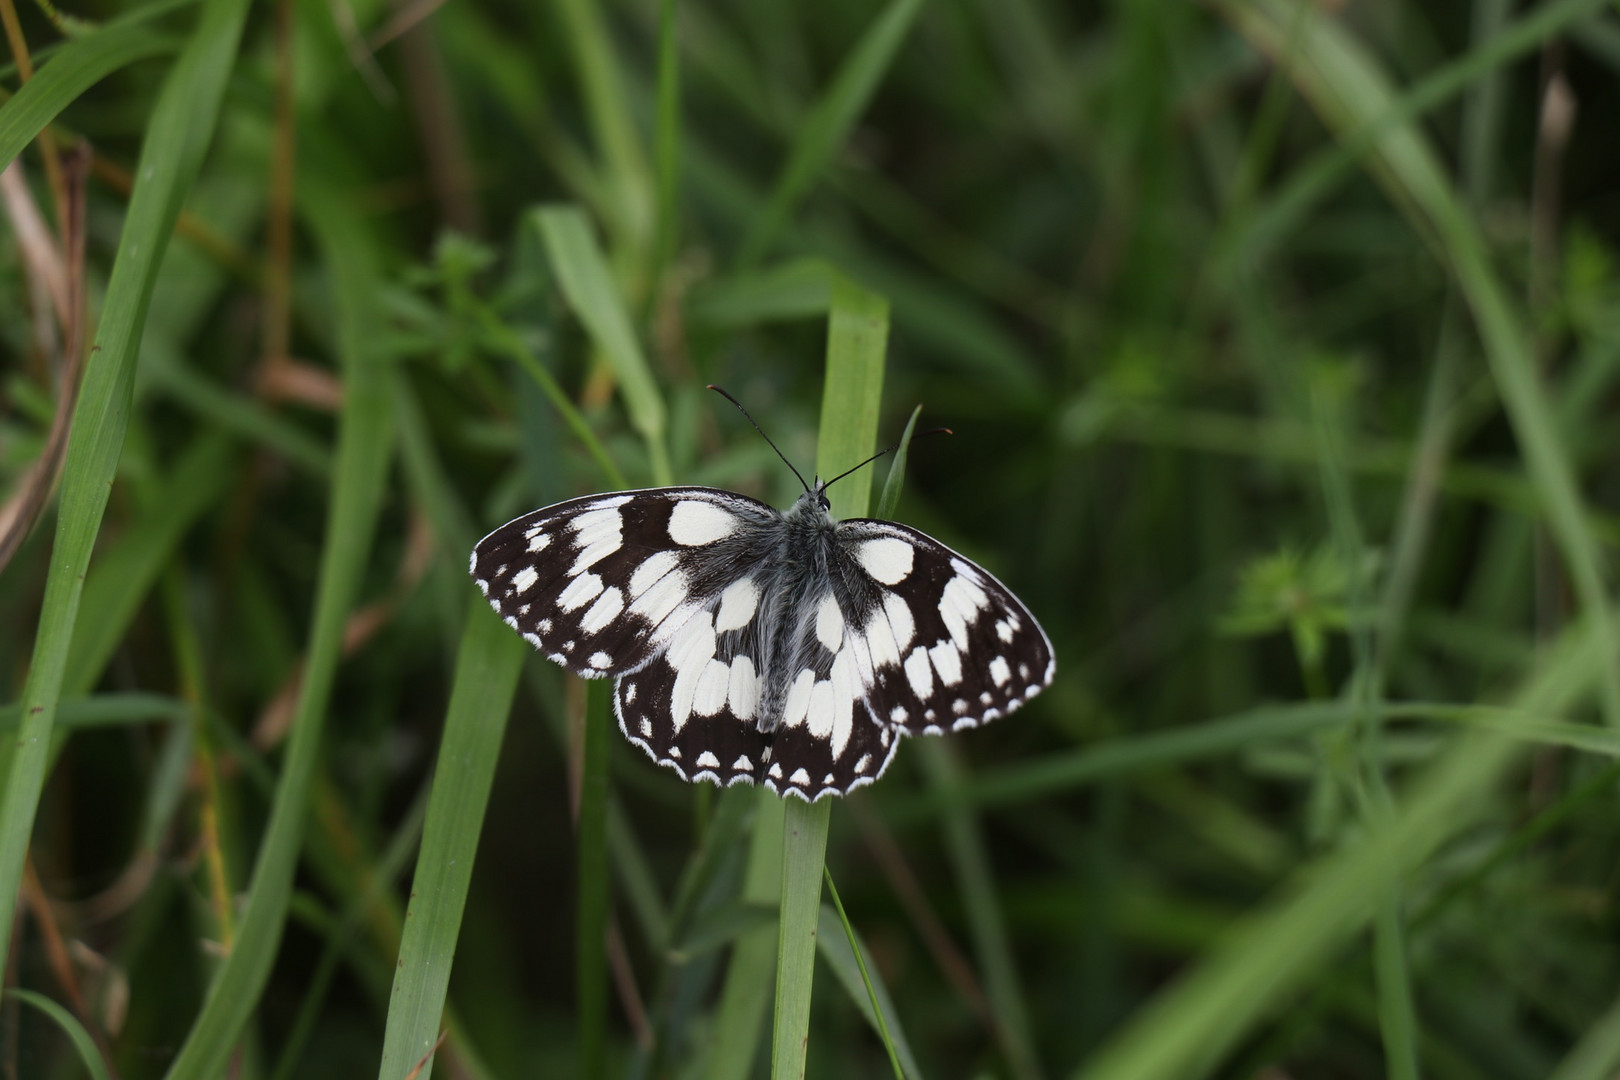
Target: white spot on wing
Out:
[800,777]
[820,717]
[660,598]
[898,714]
[710,695]
[919,674]
[743,692]
[707,760]
[742,764]
[605,610]
[539,541]
[888,559]
[845,689]
[651,569]
[693,523]
[900,620]
[580,591]
[737,605]
[601,660]
[999,672]
[798,699]
[880,640]
[689,654]
[524,579]
[646,728]
[948,662]
[829,623]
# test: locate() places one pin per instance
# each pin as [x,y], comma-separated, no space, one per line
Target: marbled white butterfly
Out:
[748,644]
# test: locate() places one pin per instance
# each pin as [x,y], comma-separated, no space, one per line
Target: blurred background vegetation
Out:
[1280,341]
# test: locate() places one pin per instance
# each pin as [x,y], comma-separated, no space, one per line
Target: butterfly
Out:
[749,644]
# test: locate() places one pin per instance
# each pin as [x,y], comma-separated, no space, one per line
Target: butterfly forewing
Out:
[951,646]
[600,584]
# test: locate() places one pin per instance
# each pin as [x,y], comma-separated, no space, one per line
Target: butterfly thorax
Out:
[793,573]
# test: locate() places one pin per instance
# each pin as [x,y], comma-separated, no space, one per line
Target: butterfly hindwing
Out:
[601,584]
[951,646]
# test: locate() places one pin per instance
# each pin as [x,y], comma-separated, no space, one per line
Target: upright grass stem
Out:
[857,336]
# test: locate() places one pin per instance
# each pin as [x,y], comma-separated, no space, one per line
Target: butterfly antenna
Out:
[762,434]
[890,450]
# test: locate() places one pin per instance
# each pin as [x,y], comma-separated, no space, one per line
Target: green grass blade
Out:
[829,122]
[590,937]
[105,710]
[123,575]
[857,336]
[858,983]
[889,501]
[177,137]
[1597,1055]
[83,1044]
[667,139]
[487,668]
[76,67]
[740,1016]
[588,285]
[975,878]
[364,441]
[628,180]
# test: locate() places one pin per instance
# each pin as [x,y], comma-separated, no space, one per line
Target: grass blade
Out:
[857,336]
[79,65]
[487,668]
[364,439]
[181,126]
[859,980]
[83,1044]
[829,122]
[588,285]
[590,936]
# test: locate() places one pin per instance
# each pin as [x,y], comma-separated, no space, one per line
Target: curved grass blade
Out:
[857,335]
[889,501]
[75,68]
[829,121]
[877,1011]
[178,135]
[588,285]
[83,1044]
[487,668]
[590,944]
[364,440]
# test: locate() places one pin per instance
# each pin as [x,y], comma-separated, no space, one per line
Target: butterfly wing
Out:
[602,584]
[693,707]
[948,645]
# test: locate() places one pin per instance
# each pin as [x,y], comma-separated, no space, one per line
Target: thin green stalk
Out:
[866,976]
[488,663]
[591,291]
[857,336]
[364,441]
[590,936]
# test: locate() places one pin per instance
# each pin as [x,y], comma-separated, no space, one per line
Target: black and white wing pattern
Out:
[601,584]
[951,647]
[753,645]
